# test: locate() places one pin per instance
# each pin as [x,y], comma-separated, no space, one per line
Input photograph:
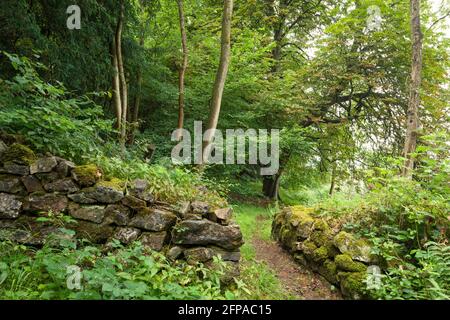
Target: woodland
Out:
[358,90]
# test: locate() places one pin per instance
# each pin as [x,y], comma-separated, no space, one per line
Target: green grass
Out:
[261,281]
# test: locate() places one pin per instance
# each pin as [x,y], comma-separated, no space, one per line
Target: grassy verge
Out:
[261,281]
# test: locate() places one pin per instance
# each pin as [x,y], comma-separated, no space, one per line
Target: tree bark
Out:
[116,87]
[183,67]
[414,97]
[220,78]
[123,82]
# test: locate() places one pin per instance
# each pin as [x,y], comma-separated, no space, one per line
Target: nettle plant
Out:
[46,114]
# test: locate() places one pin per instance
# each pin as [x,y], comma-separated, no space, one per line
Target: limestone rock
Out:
[89,213]
[199,254]
[10,184]
[19,154]
[96,233]
[101,192]
[64,167]
[344,262]
[3,148]
[126,235]
[221,215]
[43,165]
[174,253]
[353,284]
[226,255]
[182,208]
[65,185]
[154,240]
[153,220]
[357,249]
[205,232]
[86,175]
[140,189]
[82,198]
[14,168]
[9,206]
[133,202]
[200,208]
[45,202]
[117,214]
[32,184]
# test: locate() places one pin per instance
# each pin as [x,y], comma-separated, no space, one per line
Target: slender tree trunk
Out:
[414,97]
[333,180]
[220,77]
[116,87]
[182,68]
[123,82]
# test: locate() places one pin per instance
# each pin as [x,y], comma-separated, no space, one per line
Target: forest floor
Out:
[288,279]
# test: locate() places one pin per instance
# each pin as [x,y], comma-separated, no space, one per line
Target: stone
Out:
[14,168]
[140,189]
[221,215]
[87,175]
[96,233]
[32,184]
[199,254]
[47,177]
[154,240]
[88,213]
[353,284]
[200,208]
[126,235]
[10,184]
[357,249]
[64,185]
[81,197]
[45,202]
[329,271]
[133,202]
[153,220]
[9,206]
[344,262]
[205,232]
[182,208]
[174,253]
[226,255]
[19,154]
[64,167]
[43,165]
[117,214]
[3,148]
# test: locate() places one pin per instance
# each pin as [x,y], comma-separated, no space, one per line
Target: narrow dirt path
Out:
[297,280]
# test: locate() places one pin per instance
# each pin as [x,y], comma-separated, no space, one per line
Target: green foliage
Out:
[47,116]
[125,273]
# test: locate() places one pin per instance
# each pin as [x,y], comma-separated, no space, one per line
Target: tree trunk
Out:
[271,186]
[183,67]
[220,77]
[333,180]
[123,82]
[414,97]
[116,87]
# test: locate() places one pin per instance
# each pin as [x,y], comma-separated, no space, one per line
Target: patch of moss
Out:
[18,153]
[321,238]
[86,175]
[357,249]
[308,247]
[346,263]
[321,225]
[329,271]
[320,254]
[114,183]
[353,284]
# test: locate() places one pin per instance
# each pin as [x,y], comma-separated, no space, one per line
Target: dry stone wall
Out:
[104,210]
[338,256]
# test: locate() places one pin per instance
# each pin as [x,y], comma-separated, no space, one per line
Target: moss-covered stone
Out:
[345,262]
[353,284]
[329,271]
[357,249]
[320,254]
[321,225]
[114,183]
[321,238]
[18,153]
[86,175]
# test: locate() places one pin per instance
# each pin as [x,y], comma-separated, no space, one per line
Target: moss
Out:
[114,183]
[320,254]
[308,247]
[346,263]
[86,175]
[321,225]
[18,153]
[353,284]
[358,249]
[329,271]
